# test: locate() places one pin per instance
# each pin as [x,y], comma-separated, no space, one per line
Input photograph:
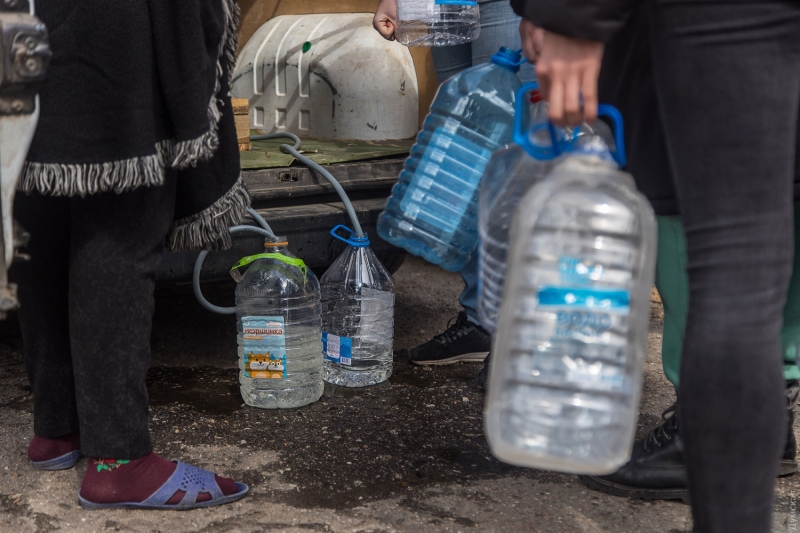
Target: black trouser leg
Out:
[728,79]
[115,249]
[44,320]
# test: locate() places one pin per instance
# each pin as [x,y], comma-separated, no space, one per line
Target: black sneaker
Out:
[463,342]
[657,471]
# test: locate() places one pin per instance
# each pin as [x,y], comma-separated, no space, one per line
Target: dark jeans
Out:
[727,84]
[86,315]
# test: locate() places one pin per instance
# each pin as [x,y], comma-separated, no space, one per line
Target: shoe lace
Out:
[665,431]
[454,325]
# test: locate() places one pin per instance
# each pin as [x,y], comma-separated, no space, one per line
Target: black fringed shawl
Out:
[137,89]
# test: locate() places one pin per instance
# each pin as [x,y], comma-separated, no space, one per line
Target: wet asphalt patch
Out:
[423,427]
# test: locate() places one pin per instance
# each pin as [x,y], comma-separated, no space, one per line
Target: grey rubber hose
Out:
[198,266]
[351,212]
[264,228]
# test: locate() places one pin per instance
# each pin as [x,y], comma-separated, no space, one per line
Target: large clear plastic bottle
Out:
[279,325]
[437,22]
[566,371]
[510,173]
[433,209]
[357,316]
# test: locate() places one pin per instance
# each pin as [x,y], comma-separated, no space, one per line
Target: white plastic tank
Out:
[328,77]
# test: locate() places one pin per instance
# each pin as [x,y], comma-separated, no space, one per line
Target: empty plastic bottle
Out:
[279,325]
[357,316]
[510,173]
[437,22]
[433,209]
[567,366]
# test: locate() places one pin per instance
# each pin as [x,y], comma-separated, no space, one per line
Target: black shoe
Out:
[462,342]
[657,471]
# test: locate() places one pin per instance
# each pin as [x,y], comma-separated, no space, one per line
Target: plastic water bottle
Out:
[357,316]
[437,22]
[433,209]
[511,172]
[567,366]
[279,325]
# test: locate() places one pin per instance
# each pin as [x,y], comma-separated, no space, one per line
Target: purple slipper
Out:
[63,462]
[189,479]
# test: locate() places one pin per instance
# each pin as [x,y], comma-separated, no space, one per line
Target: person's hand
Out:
[567,70]
[385,19]
[532,40]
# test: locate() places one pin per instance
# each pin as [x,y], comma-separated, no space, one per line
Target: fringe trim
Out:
[54,179]
[209,229]
[129,174]
[179,155]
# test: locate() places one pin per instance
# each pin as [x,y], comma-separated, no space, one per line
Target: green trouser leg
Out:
[672,283]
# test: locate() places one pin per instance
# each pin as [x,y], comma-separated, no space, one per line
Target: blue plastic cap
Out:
[352,240]
[510,59]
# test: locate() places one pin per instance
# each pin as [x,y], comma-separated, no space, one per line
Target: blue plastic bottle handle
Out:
[521,137]
[352,240]
[606,110]
[603,110]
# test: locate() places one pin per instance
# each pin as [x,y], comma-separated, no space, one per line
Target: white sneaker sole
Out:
[474,357]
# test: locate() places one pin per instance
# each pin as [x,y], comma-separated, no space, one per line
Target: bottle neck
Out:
[277,248]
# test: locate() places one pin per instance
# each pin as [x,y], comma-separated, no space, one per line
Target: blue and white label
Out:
[456,2]
[597,299]
[337,349]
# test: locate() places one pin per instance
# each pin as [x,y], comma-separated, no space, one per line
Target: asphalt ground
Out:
[407,455]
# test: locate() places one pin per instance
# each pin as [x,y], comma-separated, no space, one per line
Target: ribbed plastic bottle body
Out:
[357,319]
[433,209]
[279,323]
[436,22]
[567,366]
[508,176]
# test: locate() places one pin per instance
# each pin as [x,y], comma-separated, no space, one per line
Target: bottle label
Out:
[579,314]
[337,349]
[456,2]
[264,347]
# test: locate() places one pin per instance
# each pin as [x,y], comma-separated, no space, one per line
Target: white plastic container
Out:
[566,370]
[328,77]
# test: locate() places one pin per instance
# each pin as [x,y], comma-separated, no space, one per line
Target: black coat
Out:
[626,82]
[138,89]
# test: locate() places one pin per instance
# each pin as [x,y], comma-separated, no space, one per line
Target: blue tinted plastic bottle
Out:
[432,211]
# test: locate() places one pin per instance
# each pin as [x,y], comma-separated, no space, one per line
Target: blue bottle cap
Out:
[510,59]
[352,240]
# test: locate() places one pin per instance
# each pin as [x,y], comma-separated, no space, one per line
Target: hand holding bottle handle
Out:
[563,144]
[560,143]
